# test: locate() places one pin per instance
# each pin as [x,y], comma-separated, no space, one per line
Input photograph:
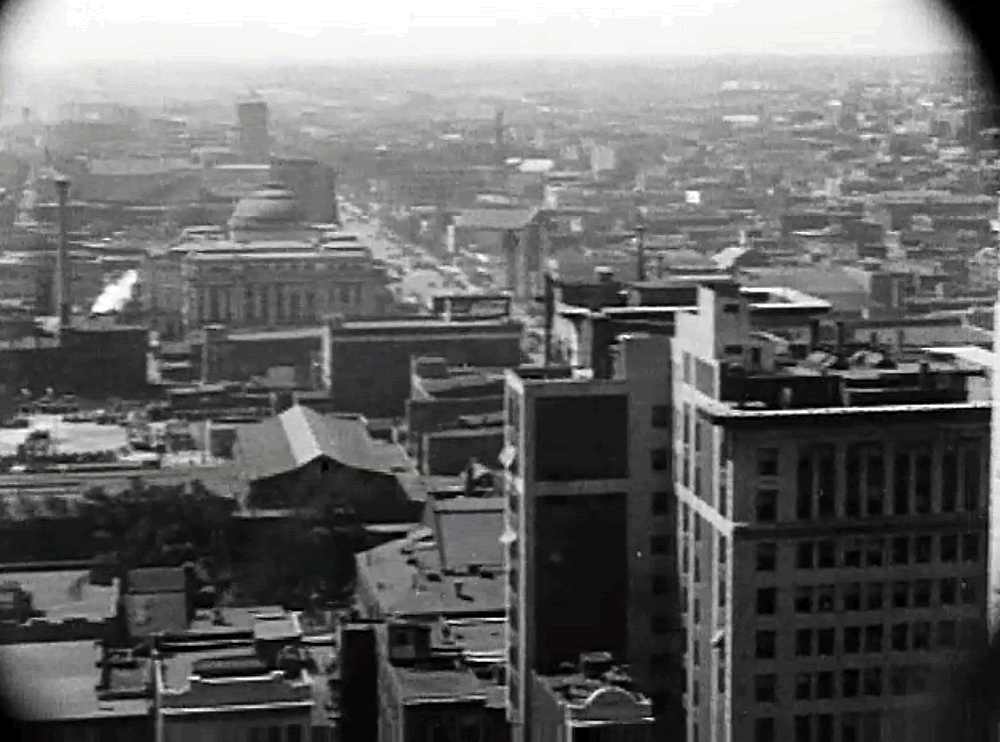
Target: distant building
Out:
[264,684]
[299,456]
[254,139]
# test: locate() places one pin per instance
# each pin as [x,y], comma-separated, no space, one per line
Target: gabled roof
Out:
[300,435]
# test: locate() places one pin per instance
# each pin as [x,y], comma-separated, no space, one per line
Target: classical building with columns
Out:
[275,271]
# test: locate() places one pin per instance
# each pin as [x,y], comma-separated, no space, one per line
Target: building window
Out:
[900,637]
[765,641]
[766,688]
[824,728]
[970,547]
[826,554]
[803,686]
[805,486]
[660,544]
[901,550]
[294,733]
[850,727]
[922,594]
[804,555]
[804,643]
[851,682]
[852,596]
[873,681]
[852,554]
[948,589]
[922,482]
[825,598]
[660,416]
[767,462]
[767,601]
[696,611]
[825,639]
[764,730]
[873,593]
[803,729]
[970,475]
[873,638]
[970,590]
[924,548]
[767,557]
[824,684]
[658,456]
[852,639]
[949,480]
[696,693]
[949,548]
[661,503]
[767,505]
[900,594]
[875,552]
[804,599]
[921,635]
[901,485]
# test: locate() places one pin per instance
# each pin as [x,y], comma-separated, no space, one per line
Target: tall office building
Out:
[590,548]
[831,530]
[254,140]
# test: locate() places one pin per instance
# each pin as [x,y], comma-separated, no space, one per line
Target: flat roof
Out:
[66,594]
[56,681]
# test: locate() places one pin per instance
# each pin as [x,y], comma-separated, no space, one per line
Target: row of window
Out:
[901,637]
[873,552]
[900,680]
[872,596]
[868,481]
[854,727]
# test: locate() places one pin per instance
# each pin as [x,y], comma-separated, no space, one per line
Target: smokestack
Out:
[63,295]
[640,254]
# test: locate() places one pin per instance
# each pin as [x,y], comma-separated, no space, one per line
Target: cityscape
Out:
[550,400]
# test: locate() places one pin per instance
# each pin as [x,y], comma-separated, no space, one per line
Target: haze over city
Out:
[45,33]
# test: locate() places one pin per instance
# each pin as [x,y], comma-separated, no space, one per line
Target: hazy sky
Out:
[58,32]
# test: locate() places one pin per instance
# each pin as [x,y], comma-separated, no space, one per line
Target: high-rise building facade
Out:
[589,545]
[831,531]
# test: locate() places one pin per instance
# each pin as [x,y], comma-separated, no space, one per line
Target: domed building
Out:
[267,215]
[279,271]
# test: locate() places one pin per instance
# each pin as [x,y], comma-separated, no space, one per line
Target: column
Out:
[236,304]
[272,295]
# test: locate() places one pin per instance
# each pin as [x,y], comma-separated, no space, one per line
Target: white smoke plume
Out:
[116,294]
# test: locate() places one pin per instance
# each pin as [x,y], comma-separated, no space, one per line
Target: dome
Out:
[273,205]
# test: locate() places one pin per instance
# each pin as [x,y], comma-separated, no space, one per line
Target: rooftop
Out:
[62,595]
[156,580]
[57,682]
[421,686]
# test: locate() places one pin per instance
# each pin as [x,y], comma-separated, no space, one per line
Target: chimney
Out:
[63,295]
[640,254]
